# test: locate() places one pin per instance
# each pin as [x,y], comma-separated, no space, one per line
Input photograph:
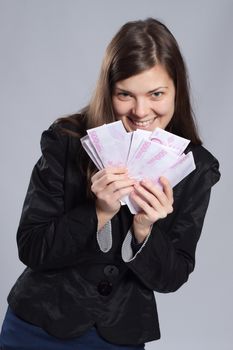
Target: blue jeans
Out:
[19,335]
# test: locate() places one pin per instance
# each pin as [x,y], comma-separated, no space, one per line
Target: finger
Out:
[167,188]
[123,192]
[117,181]
[155,190]
[149,198]
[111,197]
[108,186]
[107,171]
[146,208]
[153,213]
[120,184]
[106,175]
[116,170]
[156,198]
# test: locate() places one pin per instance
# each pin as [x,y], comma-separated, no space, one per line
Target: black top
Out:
[69,284]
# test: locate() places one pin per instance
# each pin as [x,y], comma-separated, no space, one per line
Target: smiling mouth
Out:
[144,123]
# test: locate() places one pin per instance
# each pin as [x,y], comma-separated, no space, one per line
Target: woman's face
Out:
[146,100]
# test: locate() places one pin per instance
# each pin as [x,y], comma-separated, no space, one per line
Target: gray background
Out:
[50,57]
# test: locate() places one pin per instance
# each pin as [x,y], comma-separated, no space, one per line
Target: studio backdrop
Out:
[50,55]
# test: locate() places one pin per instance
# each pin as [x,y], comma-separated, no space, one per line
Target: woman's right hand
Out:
[110,185]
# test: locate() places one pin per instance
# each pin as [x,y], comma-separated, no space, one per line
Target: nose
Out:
[141,108]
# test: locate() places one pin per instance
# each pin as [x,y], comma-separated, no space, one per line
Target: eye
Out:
[157,94]
[124,96]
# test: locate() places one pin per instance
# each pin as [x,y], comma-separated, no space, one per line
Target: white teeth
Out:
[145,123]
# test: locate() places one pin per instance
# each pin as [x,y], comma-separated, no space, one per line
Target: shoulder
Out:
[72,125]
[64,133]
[67,127]
[202,157]
[207,166]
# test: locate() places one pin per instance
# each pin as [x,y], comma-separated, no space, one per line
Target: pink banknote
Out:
[111,143]
[176,143]
[145,154]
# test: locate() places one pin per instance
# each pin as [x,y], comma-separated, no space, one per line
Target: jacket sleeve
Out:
[47,236]
[167,256]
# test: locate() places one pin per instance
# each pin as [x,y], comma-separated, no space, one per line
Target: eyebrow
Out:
[149,92]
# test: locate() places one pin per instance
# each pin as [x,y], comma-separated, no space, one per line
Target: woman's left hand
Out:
[155,204]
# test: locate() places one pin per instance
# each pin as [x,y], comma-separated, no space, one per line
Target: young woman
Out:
[92,266]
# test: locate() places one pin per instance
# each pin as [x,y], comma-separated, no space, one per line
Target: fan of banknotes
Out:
[146,154]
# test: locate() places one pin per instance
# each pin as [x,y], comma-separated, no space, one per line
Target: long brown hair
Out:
[136,47]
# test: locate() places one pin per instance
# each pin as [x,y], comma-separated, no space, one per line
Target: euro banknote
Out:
[146,154]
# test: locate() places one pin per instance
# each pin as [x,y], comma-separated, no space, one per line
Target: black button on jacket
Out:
[66,287]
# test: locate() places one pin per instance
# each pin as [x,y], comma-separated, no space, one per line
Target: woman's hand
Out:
[154,203]
[109,185]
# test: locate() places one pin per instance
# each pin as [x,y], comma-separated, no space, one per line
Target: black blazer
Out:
[69,284]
